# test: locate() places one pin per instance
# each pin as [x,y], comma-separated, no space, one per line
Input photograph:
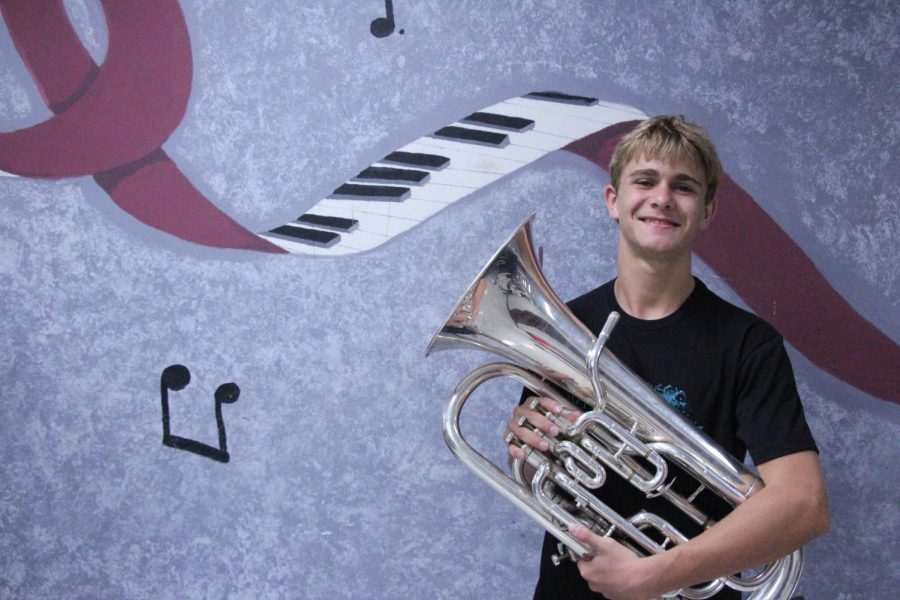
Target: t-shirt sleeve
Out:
[769,413]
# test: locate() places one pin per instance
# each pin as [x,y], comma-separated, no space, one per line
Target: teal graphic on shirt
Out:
[674,397]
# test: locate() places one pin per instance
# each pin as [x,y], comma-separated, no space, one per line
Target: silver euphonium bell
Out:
[511,311]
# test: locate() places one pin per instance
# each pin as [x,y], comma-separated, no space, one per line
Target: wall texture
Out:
[338,483]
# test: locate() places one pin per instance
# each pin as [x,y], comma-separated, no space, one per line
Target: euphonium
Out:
[510,310]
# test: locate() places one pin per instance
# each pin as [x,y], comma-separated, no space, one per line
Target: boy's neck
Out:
[647,290]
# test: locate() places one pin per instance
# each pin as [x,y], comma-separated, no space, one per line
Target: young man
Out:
[725,369]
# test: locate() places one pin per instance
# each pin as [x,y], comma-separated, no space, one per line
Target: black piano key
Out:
[417,159]
[564,98]
[500,121]
[328,222]
[385,193]
[393,175]
[315,237]
[472,136]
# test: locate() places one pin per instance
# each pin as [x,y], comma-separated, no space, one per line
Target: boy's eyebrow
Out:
[686,177]
[643,173]
[655,173]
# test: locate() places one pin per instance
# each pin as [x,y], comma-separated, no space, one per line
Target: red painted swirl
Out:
[111,121]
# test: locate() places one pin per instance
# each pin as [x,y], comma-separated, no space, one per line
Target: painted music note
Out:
[384,26]
[176,378]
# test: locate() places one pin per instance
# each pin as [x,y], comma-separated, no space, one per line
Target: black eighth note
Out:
[384,26]
[176,378]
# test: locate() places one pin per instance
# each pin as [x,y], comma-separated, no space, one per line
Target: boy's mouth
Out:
[658,221]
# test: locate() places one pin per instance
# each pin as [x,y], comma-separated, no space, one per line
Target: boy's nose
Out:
[662,200]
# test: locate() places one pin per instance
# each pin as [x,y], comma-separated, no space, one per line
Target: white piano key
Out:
[445,194]
[469,159]
[602,112]
[356,241]
[371,222]
[297,247]
[284,244]
[546,120]
[434,192]
[535,138]
[398,226]
[373,228]
[363,240]
[354,207]
[325,210]
[432,198]
[459,177]
[462,178]
[585,121]
[338,250]
[416,209]
[516,153]
[372,218]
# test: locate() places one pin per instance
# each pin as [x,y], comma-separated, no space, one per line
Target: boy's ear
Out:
[610,197]
[711,207]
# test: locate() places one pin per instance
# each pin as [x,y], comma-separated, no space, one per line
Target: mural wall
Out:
[229,230]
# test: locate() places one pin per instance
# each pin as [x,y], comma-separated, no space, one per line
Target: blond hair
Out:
[668,137]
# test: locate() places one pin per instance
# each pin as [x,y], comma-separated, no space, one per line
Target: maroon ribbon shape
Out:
[110,121]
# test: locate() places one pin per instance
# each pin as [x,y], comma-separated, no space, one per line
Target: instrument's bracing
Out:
[511,310]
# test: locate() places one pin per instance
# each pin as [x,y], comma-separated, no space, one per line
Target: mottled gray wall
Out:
[339,484]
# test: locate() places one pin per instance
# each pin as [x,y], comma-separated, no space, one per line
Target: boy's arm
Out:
[788,512]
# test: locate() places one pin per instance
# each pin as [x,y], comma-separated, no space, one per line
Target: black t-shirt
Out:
[725,370]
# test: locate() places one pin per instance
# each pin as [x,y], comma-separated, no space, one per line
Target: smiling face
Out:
[661,207]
